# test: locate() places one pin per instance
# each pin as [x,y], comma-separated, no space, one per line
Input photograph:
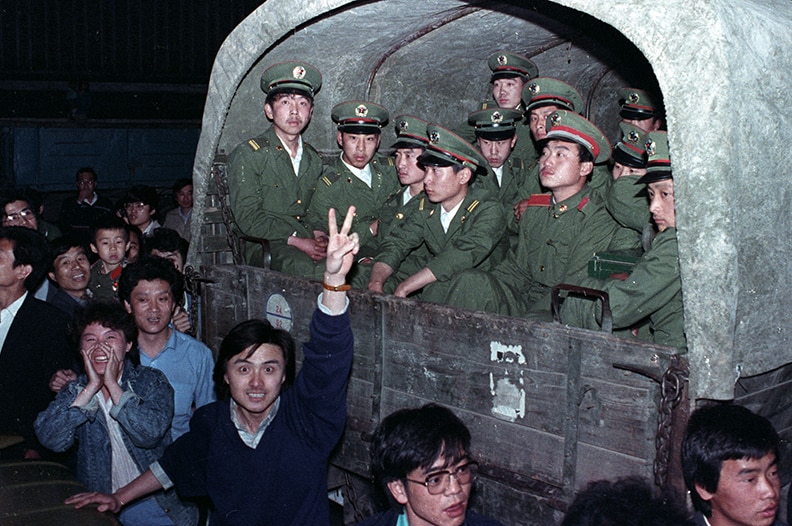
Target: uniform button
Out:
[299,201]
[297,218]
[541,268]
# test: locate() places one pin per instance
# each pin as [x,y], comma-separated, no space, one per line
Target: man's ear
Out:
[268,111]
[464,175]
[340,139]
[586,168]
[23,271]
[127,307]
[397,490]
[93,249]
[703,493]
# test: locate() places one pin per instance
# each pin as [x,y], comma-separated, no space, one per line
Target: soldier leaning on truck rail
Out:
[510,73]
[460,227]
[357,177]
[653,290]
[559,231]
[411,141]
[272,178]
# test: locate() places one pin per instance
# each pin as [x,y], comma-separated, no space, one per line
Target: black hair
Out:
[141,194]
[181,183]
[61,245]
[247,337]
[107,222]
[718,433]
[276,94]
[624,501]
[111,315]
[30,248]
[19,194]
[85,170]
[167,240]
[149,268]
[412,439]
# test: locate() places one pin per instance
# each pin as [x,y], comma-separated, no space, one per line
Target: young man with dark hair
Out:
[272,178]
[261,454]
[118,413]
[140,208]
[168,244]
[730,464]
[33,341]
[148,290]
[178,219]
[70,270]
[422,459]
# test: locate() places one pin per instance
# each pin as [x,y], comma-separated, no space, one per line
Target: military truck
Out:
[550,407]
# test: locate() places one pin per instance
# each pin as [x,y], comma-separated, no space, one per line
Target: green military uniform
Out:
[268,199]
[653,290]
[624,200]
[339,188]
[472,236]
[556,242]
[524,149]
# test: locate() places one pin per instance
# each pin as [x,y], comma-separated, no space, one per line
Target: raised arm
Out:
[342,246]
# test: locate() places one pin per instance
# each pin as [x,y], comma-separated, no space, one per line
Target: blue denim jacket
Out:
[144,414]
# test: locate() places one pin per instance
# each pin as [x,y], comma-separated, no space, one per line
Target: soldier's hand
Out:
[519,208]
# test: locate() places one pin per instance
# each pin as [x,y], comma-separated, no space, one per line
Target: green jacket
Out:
[653,290]
[338,188]
[627,202]
[471,239]
[268,200]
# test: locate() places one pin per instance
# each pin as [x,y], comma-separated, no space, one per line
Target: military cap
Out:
[637,104]
[631,149]
[293,77]
[544,91]
[569,126]
[495,124]
[658,166]
[504,64]
[356,116]
[446,148]
[410,132]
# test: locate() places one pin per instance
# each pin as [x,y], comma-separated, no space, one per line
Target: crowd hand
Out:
[60,379]
[341,246]
[104,501]
[181,320]
[519,208]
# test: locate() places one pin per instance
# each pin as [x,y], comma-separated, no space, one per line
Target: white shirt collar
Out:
[447,217]
[364,174]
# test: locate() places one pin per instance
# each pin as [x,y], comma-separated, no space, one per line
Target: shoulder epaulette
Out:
[540,200]
[390,161]
[472,206]
[422,204]
[330,179]
[583,203]
[254,144]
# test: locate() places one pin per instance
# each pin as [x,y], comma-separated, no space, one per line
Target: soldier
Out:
[559,231]
[272,178]
[625,201]
[460,229]
[653,290]
[411,141]
[510,72]
[358,177]
[639,108]
[496,136]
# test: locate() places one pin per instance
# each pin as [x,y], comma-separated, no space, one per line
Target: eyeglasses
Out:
[135,206]
[23,214]
[438,481]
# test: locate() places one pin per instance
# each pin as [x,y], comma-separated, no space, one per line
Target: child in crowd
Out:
[110,241]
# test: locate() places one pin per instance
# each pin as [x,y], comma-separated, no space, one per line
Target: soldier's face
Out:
[358,149]
[620,170]
[508,92]
[647,125]
[289,113]
[560,169]
[407,167]
[443,185]
[537,121]
[496,152]
[661,204]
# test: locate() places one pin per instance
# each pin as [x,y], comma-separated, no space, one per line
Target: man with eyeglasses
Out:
[140,208]
[422,459]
